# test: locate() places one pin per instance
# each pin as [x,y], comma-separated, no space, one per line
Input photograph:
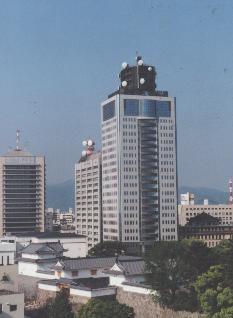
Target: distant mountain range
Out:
[61,196]
[215,196]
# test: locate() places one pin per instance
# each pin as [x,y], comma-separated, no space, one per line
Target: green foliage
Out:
[224,313]
[215,297]
[174,267]
[224,256]
[59,307]
[107,248]
[212,279]
[96,308]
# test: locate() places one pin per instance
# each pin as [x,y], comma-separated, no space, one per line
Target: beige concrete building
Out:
[222,211]
[22,192]
[88,200]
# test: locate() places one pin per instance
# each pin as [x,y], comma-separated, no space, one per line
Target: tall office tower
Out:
[88,197]
[22,192]
[139,178]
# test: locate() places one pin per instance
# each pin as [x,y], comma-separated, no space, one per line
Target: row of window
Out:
[135,107]
[147,108]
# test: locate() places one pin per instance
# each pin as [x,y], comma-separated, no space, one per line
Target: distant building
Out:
[74,245]
[206,228]
[22,192]
[66,218]
[49,220]
[187,199]
[88,194]
[222,211]
[59,221]
[139,160]
[11,304]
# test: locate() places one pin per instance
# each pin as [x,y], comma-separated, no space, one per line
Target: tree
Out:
[224,256]
[107,248]
[96,308]
[59,307]
[224,313]
[215,297]
[174,267]
[198,255]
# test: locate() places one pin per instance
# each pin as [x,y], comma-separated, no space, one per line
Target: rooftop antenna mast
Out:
[137,68]
[17,139]
[230,199]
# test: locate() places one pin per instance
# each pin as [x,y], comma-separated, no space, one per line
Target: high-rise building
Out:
[88,198]
[139,174]
[22,192]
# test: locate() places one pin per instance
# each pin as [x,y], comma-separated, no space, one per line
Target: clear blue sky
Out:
[60,58]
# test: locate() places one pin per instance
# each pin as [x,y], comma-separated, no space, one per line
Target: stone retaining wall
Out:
[144,307]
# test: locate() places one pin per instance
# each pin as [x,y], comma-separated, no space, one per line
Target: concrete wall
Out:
[14,299]
[18,283]
[82,273]
[145,307]
[30,270]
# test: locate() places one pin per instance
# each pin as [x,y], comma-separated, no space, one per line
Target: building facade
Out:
[11,304]
[22,192]
[222,211]
[88,199]
[139,173]
[7,252]
[207,228]
[74,245]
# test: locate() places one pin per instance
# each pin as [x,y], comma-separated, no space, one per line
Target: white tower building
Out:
[88,197]
[139,174]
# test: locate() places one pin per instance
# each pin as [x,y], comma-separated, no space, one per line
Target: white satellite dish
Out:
[90,142]
[124,83]
[142,80]
[84,153]
[140,62]
[124,65]
[149,68]
[84,143]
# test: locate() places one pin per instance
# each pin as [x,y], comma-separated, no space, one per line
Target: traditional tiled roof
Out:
[43,248]
[128,268]
[133,267]
[81,283]
[92,262]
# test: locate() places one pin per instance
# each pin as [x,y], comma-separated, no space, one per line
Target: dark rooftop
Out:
[80,283]
[129,267]
[48,235]
[43,248]
[203,219]
[95,262]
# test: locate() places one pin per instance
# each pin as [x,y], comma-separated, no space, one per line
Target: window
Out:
[149,108]
[74,273]
[163,108]
[0,308]
[131,107]
[93,272]
[13,307]
[109,111]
